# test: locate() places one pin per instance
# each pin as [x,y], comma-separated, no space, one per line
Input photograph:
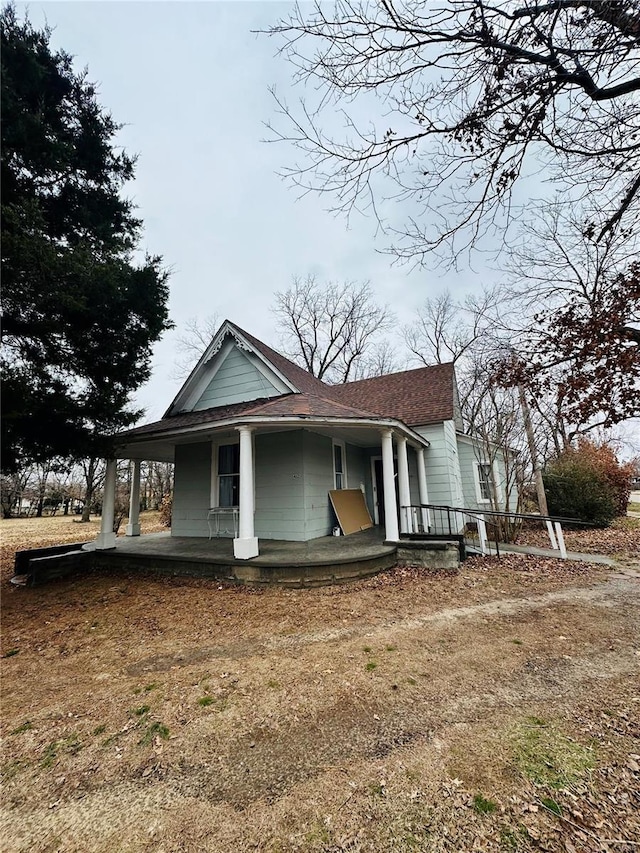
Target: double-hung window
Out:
[228,473]
[339,467]
[485,479]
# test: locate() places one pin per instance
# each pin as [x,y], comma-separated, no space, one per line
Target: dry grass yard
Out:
[498,710]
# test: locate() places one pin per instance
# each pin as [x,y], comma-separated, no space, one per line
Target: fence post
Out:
[482,532]
[561,545]
[552,535]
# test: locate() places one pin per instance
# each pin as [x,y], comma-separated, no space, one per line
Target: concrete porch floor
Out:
[329,559]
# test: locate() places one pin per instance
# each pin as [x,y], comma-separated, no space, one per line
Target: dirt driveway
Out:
[495,710]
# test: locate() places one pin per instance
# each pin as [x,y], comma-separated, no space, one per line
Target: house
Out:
[258,443]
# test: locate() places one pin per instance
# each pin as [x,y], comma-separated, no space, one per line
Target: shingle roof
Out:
[297,375]
[421,396]
[309,404]
[424,395]
[287,405]
[186,419]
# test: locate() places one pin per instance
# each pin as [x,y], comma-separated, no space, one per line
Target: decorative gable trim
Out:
[212,359]
[227,346]
[233,334]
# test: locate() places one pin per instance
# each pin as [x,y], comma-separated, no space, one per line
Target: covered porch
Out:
[274,475]
[327,559]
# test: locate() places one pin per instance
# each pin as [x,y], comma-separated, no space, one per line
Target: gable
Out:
[235,380]
[229,372]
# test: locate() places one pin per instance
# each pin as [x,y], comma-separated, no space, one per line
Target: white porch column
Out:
[133,527]
[246,545]
[107,538]
[403,484]
[389,488]
[422,488]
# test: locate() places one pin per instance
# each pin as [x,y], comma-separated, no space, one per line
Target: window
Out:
[339,472]
[485,477]
[228,474]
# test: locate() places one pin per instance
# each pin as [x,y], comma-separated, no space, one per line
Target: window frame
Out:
[214,492]
[489,481]
[335,442]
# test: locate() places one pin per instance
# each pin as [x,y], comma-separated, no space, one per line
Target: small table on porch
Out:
[226,513]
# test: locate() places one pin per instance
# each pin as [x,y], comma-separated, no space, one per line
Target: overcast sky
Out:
[189,80]
[190,83]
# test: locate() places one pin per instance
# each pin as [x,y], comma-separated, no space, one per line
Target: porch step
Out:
[442,555]
[253,572]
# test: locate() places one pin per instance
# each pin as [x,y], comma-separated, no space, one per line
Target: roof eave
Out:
[283,420]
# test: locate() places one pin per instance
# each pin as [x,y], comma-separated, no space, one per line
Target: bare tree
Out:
[381,358]
[192,342]
[471,334]
[12,489]
[497,426]
[576,330]
[156,483]
[331,329]
[93,471]
[446,330]
[476,95]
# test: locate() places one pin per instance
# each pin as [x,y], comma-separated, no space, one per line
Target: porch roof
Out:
[286,405]
[292,411]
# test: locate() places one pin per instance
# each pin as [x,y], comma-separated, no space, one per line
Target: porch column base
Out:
[104,541]
[245,549]
[133,529]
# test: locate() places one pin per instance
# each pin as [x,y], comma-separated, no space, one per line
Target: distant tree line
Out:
[60,488]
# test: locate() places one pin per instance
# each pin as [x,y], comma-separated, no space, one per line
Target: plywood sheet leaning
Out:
[351,510]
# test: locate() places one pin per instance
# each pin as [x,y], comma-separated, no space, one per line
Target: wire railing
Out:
[483,529]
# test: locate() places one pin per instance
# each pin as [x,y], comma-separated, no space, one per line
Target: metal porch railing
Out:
[472,525]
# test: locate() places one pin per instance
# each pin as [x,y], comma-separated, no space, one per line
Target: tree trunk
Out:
[531,441]
[89,479]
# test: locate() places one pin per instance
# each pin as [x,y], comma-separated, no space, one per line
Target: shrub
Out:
[165,510]
[588,483]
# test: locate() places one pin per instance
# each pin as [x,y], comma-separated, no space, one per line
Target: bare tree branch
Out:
[476,95]
[192,342]
[332,329]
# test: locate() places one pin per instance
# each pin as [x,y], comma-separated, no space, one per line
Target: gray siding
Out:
[468,461]
[444,481]
[358,467]
[437,463]
[453,460]
[369,453]
[191,490]
[236,381]
[293,477]
[414,487]
[471,452]
[359,473]
[318,481]
[279,483]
